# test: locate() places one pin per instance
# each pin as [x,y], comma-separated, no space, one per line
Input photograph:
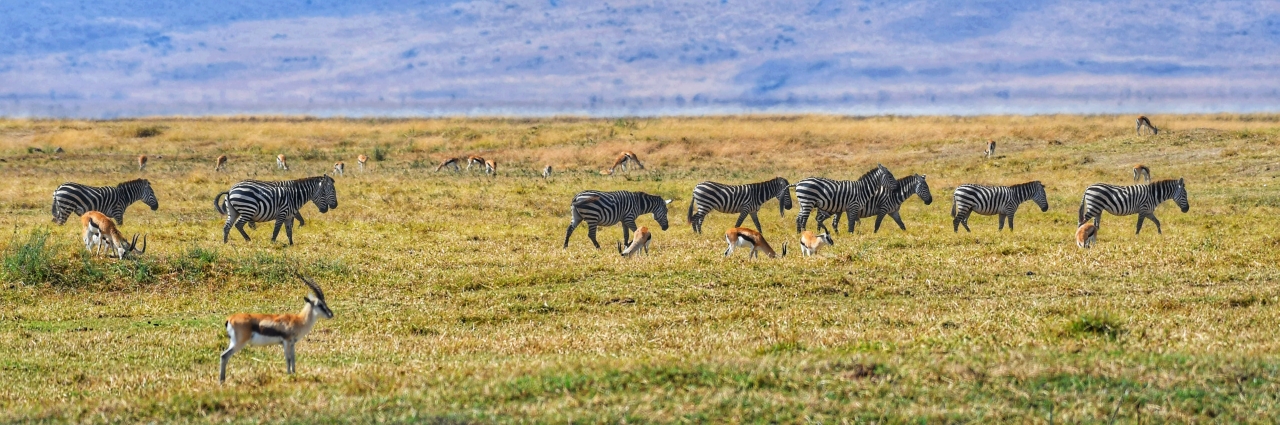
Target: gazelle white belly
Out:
[260,339]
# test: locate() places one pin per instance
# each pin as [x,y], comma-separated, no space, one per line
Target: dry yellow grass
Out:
[455,301]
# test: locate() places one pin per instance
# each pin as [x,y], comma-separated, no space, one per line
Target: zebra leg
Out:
[853,219]
[276,232]
[879,218]
[240,226]
[835,222]
[741,218]
[1002,222]
[288,229]
[1152,217]
[298,216]
[897,218]
[573,223]
[1010,223]
[802,218]
[591,233]
[756,220]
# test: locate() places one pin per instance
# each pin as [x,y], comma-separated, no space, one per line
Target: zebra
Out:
[742,199]
[1144,122]
[994,200]
[1127,200]
[888,202]
[112,201]
[608,208]
[252,201]
[832,196]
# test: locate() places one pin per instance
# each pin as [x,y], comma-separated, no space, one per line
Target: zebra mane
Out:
[1027,184]
[133,183]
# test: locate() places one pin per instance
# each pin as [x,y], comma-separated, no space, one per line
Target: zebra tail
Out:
[1080,215]
[689,216]
[588,200]
[953,207]
[219,206]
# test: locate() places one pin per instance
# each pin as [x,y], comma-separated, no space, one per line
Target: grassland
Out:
[456,303]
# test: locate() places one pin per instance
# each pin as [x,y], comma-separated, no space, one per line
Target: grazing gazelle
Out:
[546,172]
[641,241]
[451,162]
[490,167]
[270,329]
[361,160]
[622,160]
[96,223]
[475,160]
[810,242]
[220,164]
[280,163]
[991,148]
[744,237]
[1143,122]
[339,167]
[1086,235]
[1140,171]
[142,162]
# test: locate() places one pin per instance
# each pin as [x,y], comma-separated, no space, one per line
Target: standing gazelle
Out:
[475,160]
[220,164]
[1143,122]
[1140,171]
[101,231]
[270,329]
[991,148]
[339,168]
[809,242]
[280,163]
[546,172]
[744,237]
[142,162]
[361,160]
[640,242]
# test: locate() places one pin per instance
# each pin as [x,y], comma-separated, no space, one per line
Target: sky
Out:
[125,58]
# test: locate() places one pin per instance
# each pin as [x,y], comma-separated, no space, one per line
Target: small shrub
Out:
[148,131]
[379,154]
[29,261]
[1103,324]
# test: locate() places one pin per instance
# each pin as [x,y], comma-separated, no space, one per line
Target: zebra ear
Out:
[667,201]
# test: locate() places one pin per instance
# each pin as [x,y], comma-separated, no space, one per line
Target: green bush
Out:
[29,261]
[1102,323]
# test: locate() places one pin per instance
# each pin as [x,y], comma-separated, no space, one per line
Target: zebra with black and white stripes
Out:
[994,200]
[1128,200]
[609,208]
[742,199]
[111,201]
[253,201]
[888,202]
[833,196]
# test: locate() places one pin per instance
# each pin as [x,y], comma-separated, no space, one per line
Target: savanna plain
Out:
[455,301]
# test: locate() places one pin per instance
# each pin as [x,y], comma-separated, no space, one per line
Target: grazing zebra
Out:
[257,201]
[887,203]
[112,201]
[991,148]
[608,208]
[994,200]
[832,196]
[1143,122]
[742,199]
[1127,200]
[1140,171]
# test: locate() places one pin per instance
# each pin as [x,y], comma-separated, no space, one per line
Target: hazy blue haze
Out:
[327,57]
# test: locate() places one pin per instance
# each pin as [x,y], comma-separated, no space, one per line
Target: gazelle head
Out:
[316,299]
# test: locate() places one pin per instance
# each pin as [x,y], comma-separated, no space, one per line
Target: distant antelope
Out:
[546,172]
[623,159]
[97,224]
[451,162]
[339,168]
[361,160]
[809,242]
[1086,235]
[280,163]
[490,167]
[142,162]
[269,329]
[641,241]
[1141,171]
[1144,122]
[475,160]
[220,164]
[991,148]
[744,237]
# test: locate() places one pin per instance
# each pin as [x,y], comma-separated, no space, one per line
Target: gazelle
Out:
[1144,122]
[546,172]
[280,163]
[991,148]
[810,242]
[361,160]
[1140,171]
[339,167]
[624,158]
[220,164]
[1086,235]
[490,167]
[642,238]
[475,160]
[97,224]
[142,162]
[744,237]
[270,329]
[451,162]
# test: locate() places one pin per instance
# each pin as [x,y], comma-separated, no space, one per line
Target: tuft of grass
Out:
[1097,323]
[30,260]
[147,131]
[379,153]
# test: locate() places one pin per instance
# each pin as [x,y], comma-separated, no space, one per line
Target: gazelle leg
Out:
[289,356]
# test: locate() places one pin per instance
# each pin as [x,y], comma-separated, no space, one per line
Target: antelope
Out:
[142,162]
[490,167]
[991,148]
[93,240]
[641,241]
[624,158]
[97,224]
[546,172]
[475,160]
[339,167]
[451,162]
[269,329]
[220,164]
[1141,171]
[1086,235]
[1144,122]
[810,242]
[280,162]
[361,160]
[744,237]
